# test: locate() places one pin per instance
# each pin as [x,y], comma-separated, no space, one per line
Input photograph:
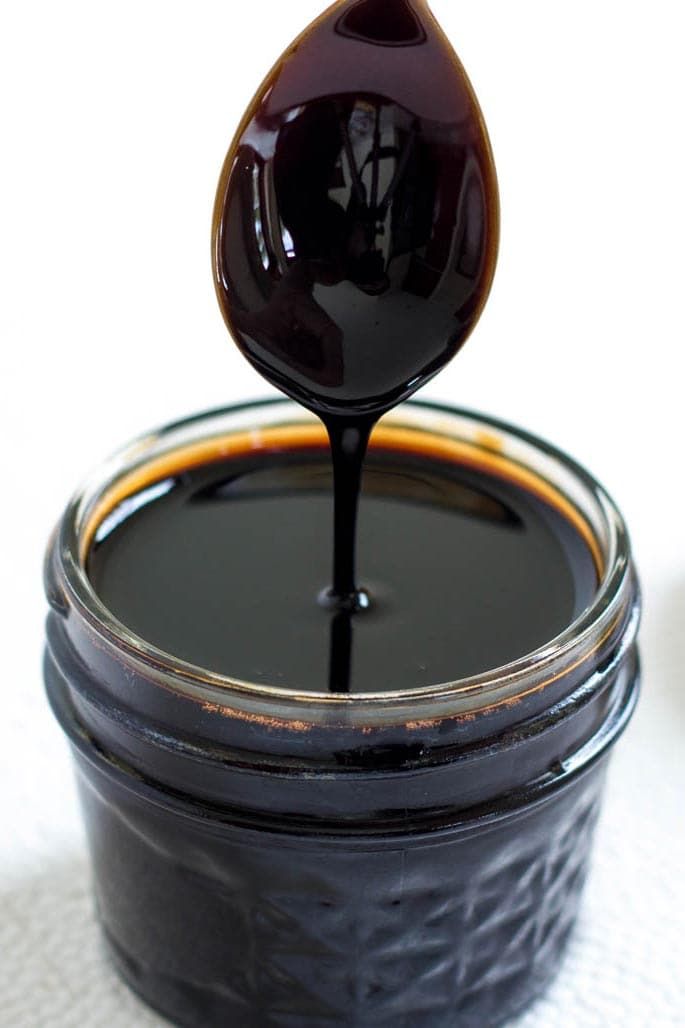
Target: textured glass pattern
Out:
[462,927]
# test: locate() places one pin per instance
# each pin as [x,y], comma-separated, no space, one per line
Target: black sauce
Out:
[356,226]
[220,566]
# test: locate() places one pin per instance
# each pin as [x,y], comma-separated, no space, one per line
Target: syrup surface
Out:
[219,565]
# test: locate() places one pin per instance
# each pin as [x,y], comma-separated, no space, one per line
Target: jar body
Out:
[407,862]
[215,924]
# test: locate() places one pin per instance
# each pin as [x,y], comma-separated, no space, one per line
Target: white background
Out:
[114,120]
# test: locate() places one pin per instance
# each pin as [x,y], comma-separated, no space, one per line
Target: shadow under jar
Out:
[268,855]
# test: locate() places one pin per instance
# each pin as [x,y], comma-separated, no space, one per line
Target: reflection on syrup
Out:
[356,227]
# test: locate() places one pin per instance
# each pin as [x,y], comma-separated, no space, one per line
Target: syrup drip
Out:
[355,232]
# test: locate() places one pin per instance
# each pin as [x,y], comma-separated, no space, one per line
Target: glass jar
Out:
[268,857]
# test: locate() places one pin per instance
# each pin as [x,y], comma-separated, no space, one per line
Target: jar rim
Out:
[461,697]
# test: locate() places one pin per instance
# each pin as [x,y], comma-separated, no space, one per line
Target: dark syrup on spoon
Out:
[355,236]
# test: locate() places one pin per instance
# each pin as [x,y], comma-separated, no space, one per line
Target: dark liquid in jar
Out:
[220,566]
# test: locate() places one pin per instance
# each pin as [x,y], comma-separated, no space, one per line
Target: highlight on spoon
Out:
[356,221]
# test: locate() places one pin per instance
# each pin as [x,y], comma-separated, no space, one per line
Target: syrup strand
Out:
[340,660]
[349,440]
[355,234]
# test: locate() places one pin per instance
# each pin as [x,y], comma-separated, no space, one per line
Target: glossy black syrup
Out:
[355,232]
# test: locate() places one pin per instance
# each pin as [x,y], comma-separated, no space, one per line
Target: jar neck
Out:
[420,774]
[453,435]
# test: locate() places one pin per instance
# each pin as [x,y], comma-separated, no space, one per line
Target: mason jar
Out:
[264,856]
